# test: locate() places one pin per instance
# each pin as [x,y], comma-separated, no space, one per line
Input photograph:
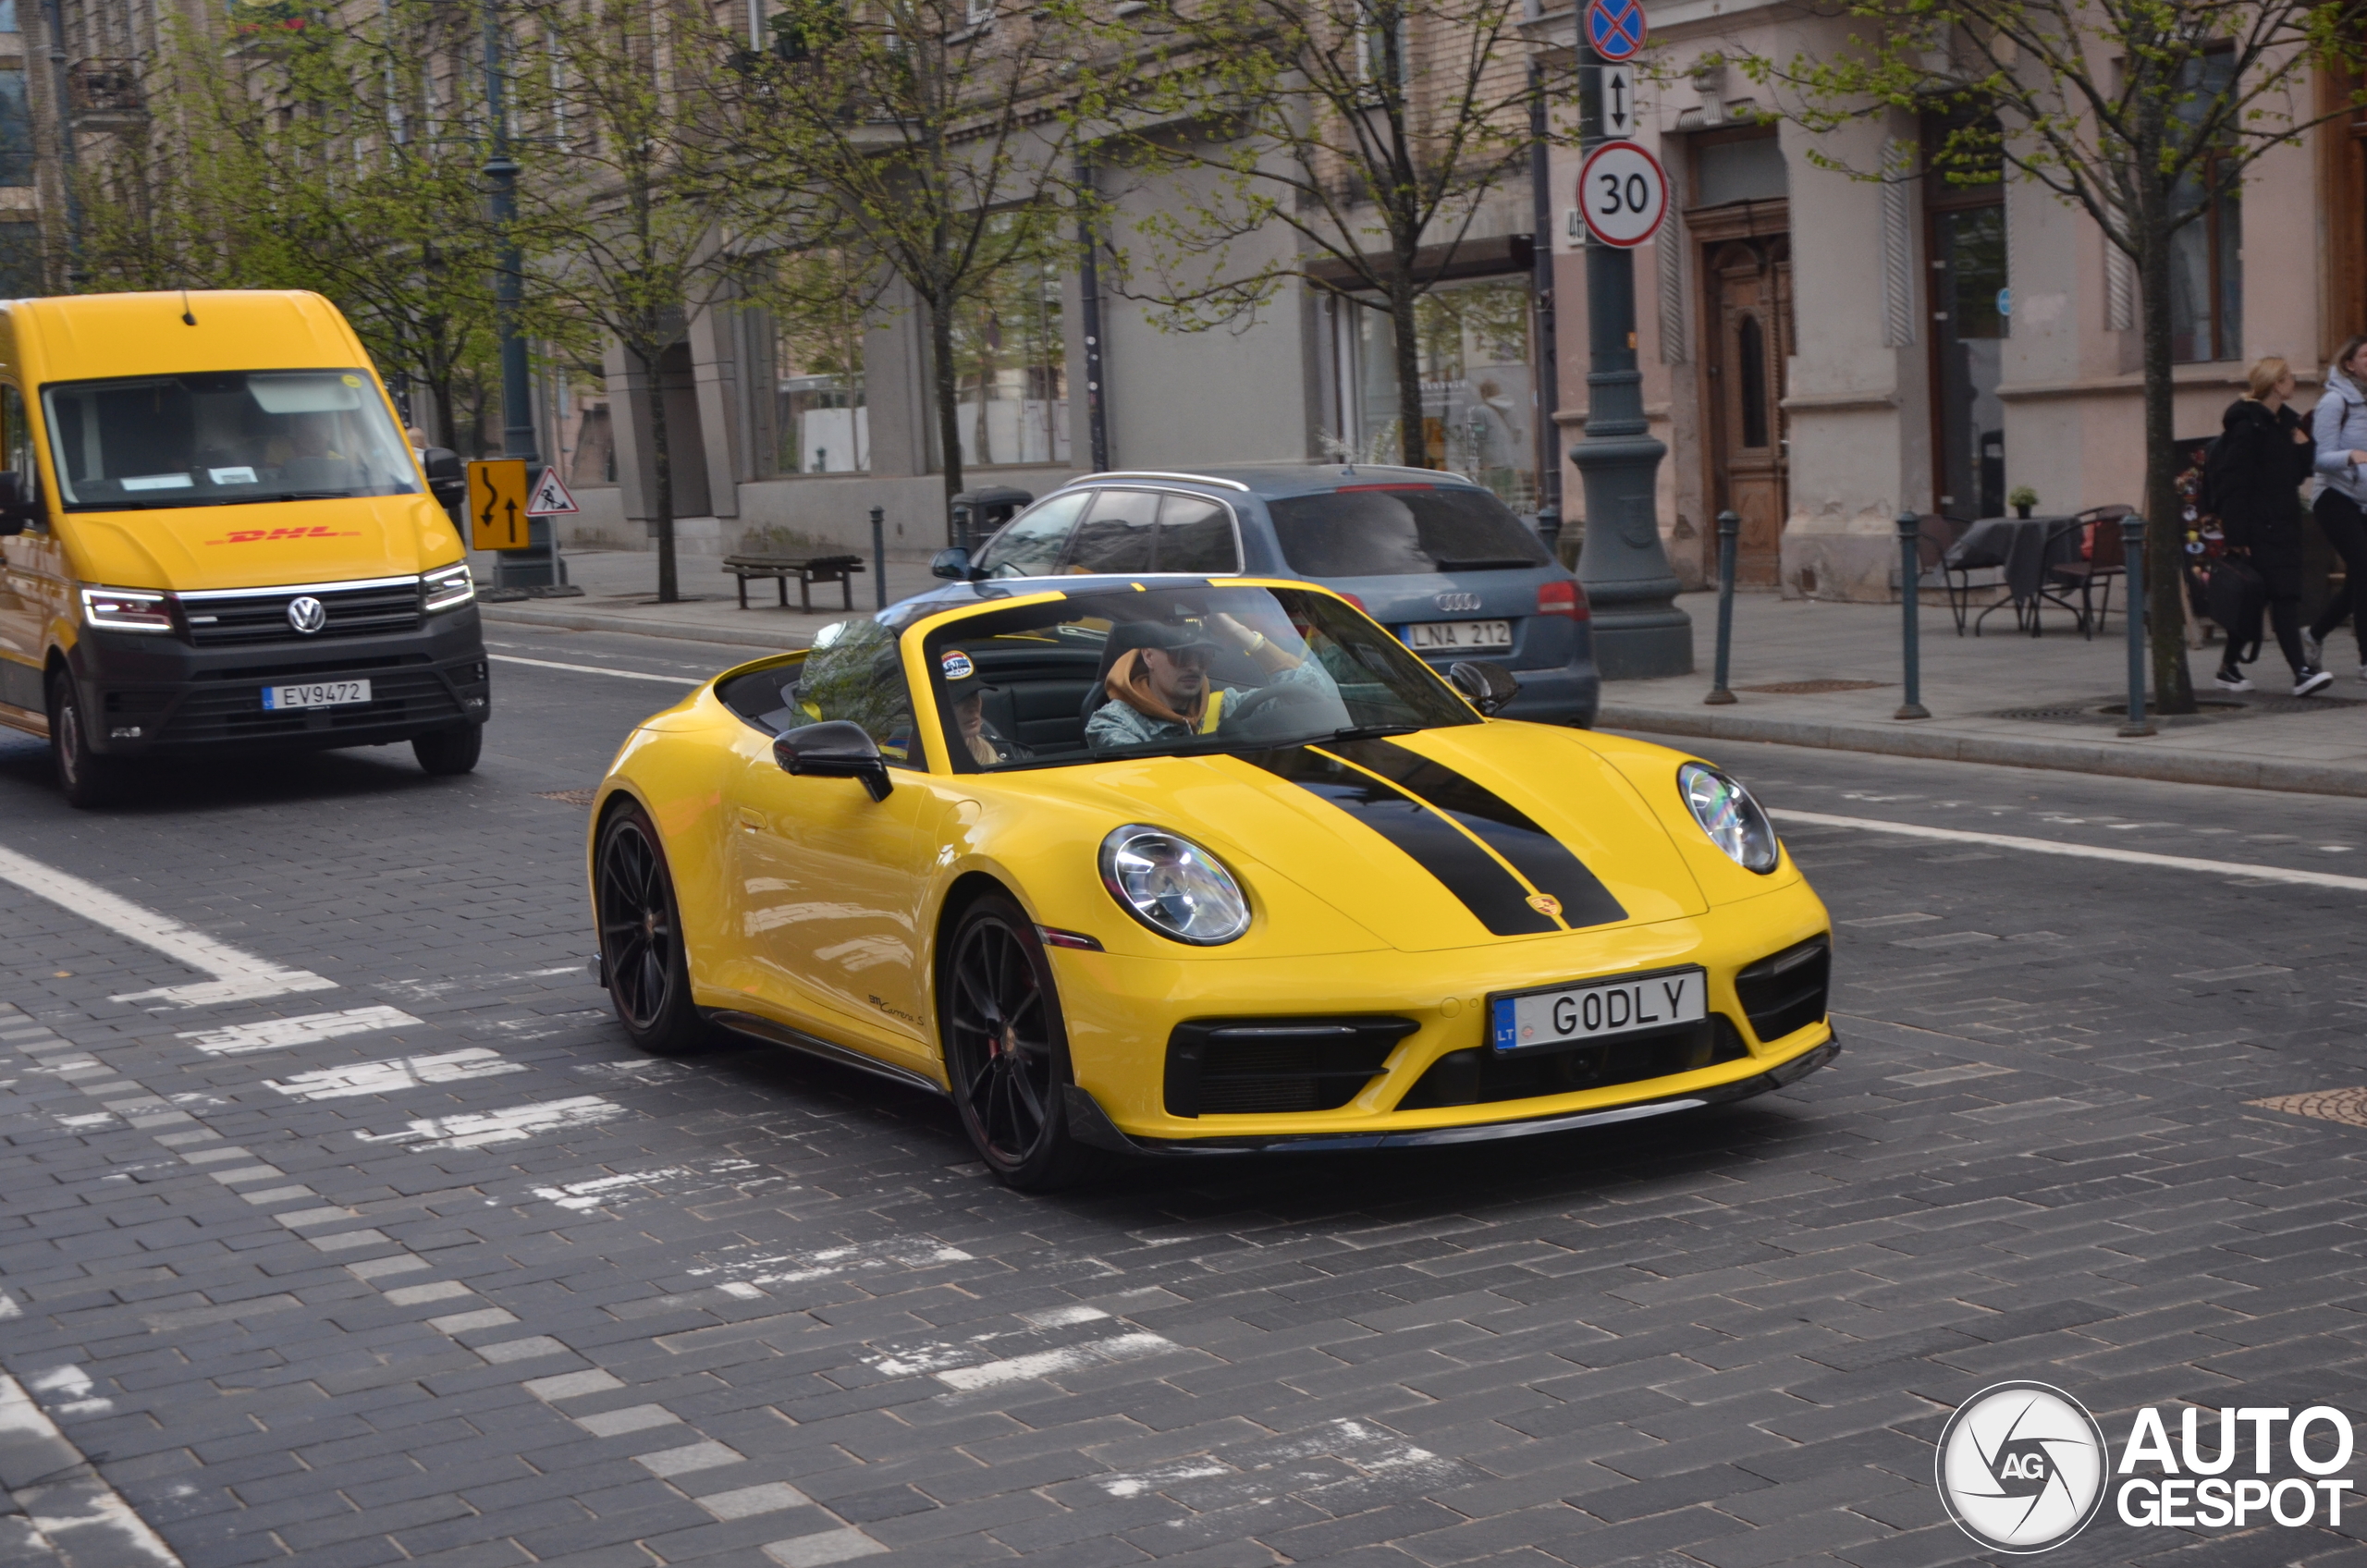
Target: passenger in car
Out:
[986,745]
[1160,690]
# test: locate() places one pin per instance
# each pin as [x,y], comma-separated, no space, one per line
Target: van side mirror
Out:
[447,478]
[1489,686]
[953,563]
[18,511]
[834,749]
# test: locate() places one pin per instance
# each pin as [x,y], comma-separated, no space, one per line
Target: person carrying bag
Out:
[2255,470]
[2339,421]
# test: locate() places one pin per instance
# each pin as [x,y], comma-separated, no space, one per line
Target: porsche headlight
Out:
[1172,886]
[1730,816]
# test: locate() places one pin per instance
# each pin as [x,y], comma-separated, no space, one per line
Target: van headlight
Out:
[127,610]
[1173,886]
[448,587]
[1732,819]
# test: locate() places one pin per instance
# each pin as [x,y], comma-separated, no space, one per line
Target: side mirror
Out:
[834,749]
[953,563]
[1490,686]
[447,478]
[16,512]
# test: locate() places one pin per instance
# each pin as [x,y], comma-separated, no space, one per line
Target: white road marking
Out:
[426,990]
[1051,1362]
[2263,874]
[70,1507]
[273,1033]
[75,1384]
[581,1195]
[597,669]
[514,1125]
[1262,1471]
[895,1252]
[238,976]
[398,1073]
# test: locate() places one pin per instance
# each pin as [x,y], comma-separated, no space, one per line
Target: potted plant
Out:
[2021,498]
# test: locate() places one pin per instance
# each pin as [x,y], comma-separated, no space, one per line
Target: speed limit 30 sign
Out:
[1623,191]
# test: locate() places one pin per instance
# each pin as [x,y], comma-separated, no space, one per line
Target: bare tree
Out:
[2140,113]
[1372,131]
[938,140]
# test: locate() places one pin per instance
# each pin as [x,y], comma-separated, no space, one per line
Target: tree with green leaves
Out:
[631,172]
[302,151]
[938,141]
[1371,133]
[2142,113]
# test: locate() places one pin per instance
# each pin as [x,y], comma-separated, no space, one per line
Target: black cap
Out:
[960,673]
[1168,636]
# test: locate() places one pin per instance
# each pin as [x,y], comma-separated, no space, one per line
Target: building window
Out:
[1739,166]
[16,130]
[21,269]
[1479,408]
[820,422]
[1010,367]
[2206,253]
[9,16]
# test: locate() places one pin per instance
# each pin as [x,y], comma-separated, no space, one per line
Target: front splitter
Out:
[1088,1123]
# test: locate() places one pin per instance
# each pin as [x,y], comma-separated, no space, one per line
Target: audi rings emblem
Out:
[1455,602]
[306,614]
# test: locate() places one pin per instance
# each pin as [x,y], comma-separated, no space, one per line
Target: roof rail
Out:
[1157,473]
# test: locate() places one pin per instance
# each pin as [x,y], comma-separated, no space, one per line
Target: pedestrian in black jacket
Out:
[2264,453]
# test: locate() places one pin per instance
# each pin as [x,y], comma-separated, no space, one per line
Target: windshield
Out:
[222,437]
[1173,671]
[1400,531]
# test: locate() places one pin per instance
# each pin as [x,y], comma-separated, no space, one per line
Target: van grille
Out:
[224,712]
[224,620]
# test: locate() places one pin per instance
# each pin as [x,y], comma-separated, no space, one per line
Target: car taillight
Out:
[1354,600]
[1563,598]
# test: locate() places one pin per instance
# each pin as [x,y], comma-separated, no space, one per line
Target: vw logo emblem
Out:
[2022,1467]
[306,614]
[1464,602]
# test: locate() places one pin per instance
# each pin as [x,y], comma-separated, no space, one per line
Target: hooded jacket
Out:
[2256,472]
[2339,421]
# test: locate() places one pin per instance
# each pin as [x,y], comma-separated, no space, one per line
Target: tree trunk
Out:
[948,395]
[1413,438]
[661,466]
[2164,513]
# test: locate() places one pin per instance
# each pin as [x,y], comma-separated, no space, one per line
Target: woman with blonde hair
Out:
[2339,424]
[2252,481]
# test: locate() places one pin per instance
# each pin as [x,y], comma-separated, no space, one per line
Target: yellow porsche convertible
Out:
[1196,866]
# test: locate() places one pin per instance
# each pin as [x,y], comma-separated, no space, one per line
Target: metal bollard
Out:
[961,532]
[2132,549]
[1729,530]
[1911,598]
[879,554]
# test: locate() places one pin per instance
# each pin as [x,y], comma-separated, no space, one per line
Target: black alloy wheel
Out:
[84,777]
[641,939]
[1006,1053]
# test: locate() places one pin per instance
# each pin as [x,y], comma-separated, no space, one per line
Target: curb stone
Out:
[2129,759]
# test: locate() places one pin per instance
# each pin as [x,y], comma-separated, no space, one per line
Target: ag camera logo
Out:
[2022,1467]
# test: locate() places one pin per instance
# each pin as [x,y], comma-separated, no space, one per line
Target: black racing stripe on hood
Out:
[1493,896]
[1504,827]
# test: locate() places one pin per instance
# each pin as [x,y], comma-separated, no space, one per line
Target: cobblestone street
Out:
[349,1229]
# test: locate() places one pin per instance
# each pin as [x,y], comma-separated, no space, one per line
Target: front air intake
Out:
[1253,1066]
[1787,991]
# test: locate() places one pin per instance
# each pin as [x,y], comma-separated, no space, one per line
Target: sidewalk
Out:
[620,593]
[1815,674]
[1805,673]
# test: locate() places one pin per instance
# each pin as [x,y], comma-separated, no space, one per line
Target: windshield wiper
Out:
[1376,732]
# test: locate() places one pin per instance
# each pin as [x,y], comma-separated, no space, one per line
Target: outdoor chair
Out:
[1936,537]
[2091,576]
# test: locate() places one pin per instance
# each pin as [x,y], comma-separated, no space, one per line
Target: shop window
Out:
[1011,365]
[1478,412]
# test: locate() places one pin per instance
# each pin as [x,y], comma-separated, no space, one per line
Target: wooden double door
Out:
[1746,339]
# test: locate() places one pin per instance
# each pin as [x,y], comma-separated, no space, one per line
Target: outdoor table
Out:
[2018,545]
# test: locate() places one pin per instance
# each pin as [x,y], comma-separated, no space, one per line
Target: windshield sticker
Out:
[231,475]
[158,482]
[350,380]
[249,535]
[956,665]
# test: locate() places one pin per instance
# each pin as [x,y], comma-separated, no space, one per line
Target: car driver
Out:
[1159,688]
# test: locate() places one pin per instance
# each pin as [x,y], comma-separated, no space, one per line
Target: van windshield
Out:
[224,438]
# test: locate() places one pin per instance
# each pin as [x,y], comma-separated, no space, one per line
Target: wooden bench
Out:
[809,571]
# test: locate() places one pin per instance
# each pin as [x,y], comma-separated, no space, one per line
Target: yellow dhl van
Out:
[217,538]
